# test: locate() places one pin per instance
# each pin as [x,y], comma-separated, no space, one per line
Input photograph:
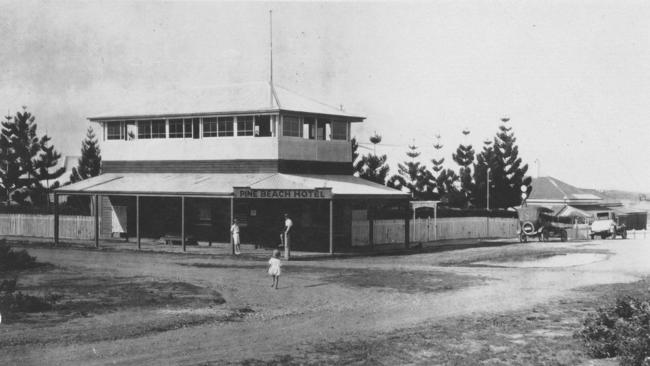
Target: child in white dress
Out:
[274,268]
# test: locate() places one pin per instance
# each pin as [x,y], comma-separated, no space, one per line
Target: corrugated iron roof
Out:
[225,99]
[549,188]
[340,184]
[221,184]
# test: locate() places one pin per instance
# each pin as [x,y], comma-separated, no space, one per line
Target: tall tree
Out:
[89,164]
[411,175]
[356,163]
[510,171]
[501,157]
[27,160]
[443,180]
[464,157]
[484,163]
[374,167]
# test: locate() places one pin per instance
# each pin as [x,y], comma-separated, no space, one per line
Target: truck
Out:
[607,224]
[541,223]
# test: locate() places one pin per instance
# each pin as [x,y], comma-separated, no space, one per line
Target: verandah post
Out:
[183,221]
[331,226]
[232,217]
[96,202]
[407,225]
[56,219]
[137,220]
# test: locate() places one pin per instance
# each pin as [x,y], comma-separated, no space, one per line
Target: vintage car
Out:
[539,222]
[607,225]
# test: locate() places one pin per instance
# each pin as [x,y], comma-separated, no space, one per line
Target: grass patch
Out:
[510,254]
[395,280]
[90,307]
[539,336]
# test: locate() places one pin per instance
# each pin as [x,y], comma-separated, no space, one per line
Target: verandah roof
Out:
[221,185]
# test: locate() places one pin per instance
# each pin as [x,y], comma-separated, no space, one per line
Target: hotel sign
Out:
[292,194]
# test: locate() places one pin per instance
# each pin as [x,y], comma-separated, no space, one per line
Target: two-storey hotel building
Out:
[189,164]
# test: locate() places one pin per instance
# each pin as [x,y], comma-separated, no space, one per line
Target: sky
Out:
[572,76]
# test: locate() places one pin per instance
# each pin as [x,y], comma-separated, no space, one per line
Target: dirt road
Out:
[322,301]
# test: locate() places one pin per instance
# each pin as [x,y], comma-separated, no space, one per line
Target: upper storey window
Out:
[263,126]
[115,131]
[291,126]
[152,129]
[210,127]
[192,128]
[339,131]
[183,128]
[225,126]
[245,126]
[175,128]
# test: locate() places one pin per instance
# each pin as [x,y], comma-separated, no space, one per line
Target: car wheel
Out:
[545,234]
[563,235]
[603,236]
[592,236]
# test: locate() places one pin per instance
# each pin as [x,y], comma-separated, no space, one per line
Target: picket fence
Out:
[42,226]
[426,230]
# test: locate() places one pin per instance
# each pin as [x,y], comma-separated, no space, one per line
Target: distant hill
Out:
[618,195]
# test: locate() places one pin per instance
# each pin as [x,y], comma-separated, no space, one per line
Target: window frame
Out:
[120,130]
[144,129]
[209,126]
[285,126]
[224,131]
[158,123]
[343,128]
[248,120]
[176,134]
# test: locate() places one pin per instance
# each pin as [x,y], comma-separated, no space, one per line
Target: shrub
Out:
[22,303]
[12,260]
[8,286]
[622,330]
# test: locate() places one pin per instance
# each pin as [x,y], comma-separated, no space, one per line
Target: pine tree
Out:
[89,164]
[411,175]
[27,160]
[501,156]
[443,181]
[484,161]
[356,163]
[464,157]
[509,168]
[374,167]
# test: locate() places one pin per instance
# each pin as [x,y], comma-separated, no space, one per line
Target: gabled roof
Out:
[549,189]
[258,97]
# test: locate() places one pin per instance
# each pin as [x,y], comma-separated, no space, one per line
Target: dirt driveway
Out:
[326,300]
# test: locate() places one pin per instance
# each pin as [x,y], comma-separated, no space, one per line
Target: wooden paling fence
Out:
[425,230]
[70,227]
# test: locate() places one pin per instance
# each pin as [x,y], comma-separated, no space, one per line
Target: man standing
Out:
[234,230]
[287,235]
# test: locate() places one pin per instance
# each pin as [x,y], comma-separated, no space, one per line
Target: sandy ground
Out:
[306,310]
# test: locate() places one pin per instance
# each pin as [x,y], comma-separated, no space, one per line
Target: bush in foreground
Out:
[14,260]
[622,330]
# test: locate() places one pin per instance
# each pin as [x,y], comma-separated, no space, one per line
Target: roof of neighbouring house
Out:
[257,97]
[552,189]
